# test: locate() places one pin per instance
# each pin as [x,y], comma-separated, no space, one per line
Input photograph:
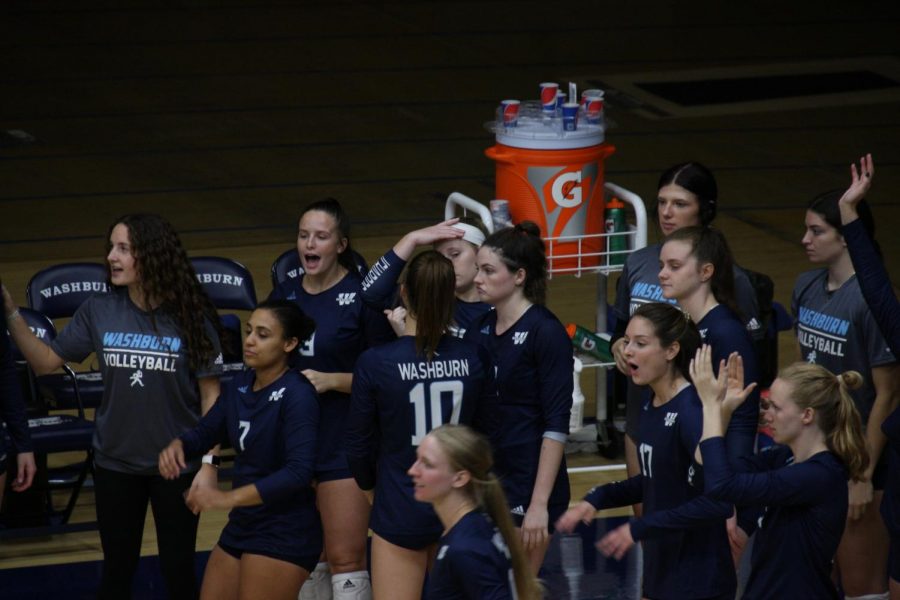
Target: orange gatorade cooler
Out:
[554,178]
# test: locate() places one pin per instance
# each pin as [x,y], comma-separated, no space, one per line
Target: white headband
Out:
[471,234]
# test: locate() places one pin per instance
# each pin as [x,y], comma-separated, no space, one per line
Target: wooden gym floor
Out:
[227,116]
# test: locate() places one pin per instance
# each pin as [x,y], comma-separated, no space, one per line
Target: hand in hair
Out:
[860,183]
[617,542]
[861,496]
[583,512]
[397,319]
[427,235]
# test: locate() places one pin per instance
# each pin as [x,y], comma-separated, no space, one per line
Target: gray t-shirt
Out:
[150,395]
[836,330]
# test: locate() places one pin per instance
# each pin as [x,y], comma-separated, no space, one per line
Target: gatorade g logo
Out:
[566,190]
[564,194]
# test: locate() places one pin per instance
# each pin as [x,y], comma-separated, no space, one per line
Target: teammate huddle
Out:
[363,402]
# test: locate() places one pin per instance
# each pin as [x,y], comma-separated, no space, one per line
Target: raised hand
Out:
[735,392]
[710,388]
[860,181]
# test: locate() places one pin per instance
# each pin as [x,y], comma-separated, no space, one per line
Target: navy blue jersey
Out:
[799,532]
[273,432]
[533,365]
[379,290]
[345,327]
[472,563]
[398,397]
[724,332]
[686,550]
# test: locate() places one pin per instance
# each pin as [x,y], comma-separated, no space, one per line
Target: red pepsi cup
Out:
[509,112]
[548,97]
[593,108]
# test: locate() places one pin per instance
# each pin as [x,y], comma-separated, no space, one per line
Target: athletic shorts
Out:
[333,475]
[307,562]
[554,512]
[410,541]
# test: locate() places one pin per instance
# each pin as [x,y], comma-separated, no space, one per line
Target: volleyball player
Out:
[455,239]
[801,482]
[687,195]
[270,414]
[532,357]
[329,292]
[835,329]
[480,553]
[682,532]
[402,390]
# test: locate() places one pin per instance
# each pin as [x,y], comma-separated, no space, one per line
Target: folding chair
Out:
[57,292]
[229,286]
[54,433]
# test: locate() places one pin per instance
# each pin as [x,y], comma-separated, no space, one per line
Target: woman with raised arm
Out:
[882,301]
[532,357]
[402,390]
[156,342]
[458,240]
[269,413]
[836,329]
[801,482]
[329,292]
[682,532]
[480,554]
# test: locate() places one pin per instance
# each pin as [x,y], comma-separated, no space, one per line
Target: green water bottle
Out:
[589,343]
[614,217]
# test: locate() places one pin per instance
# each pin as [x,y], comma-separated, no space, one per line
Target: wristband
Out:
[210,459]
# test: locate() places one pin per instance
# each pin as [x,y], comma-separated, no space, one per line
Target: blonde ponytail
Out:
[469,451]
[813,386]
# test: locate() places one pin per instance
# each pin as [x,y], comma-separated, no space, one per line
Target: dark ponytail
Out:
[430,290]
[709,245]
[521,247]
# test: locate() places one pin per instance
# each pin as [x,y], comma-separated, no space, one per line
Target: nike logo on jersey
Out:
[670,419]
[519,337]
[442,552]
[519,510]
[276,396]
[243,389]
[343,299]
[703,333]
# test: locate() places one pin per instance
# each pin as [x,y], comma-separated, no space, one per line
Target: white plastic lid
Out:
[546,134]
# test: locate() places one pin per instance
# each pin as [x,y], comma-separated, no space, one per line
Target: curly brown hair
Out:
[169,281]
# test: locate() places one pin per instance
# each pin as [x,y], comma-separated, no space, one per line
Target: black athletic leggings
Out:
[121,500]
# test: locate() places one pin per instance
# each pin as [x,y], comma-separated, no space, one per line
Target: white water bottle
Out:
[576,419]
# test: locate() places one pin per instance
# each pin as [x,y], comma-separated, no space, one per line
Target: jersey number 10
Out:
[436,389]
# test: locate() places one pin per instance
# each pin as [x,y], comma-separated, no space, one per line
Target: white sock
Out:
[881,596]
[318,586]
[351,586]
